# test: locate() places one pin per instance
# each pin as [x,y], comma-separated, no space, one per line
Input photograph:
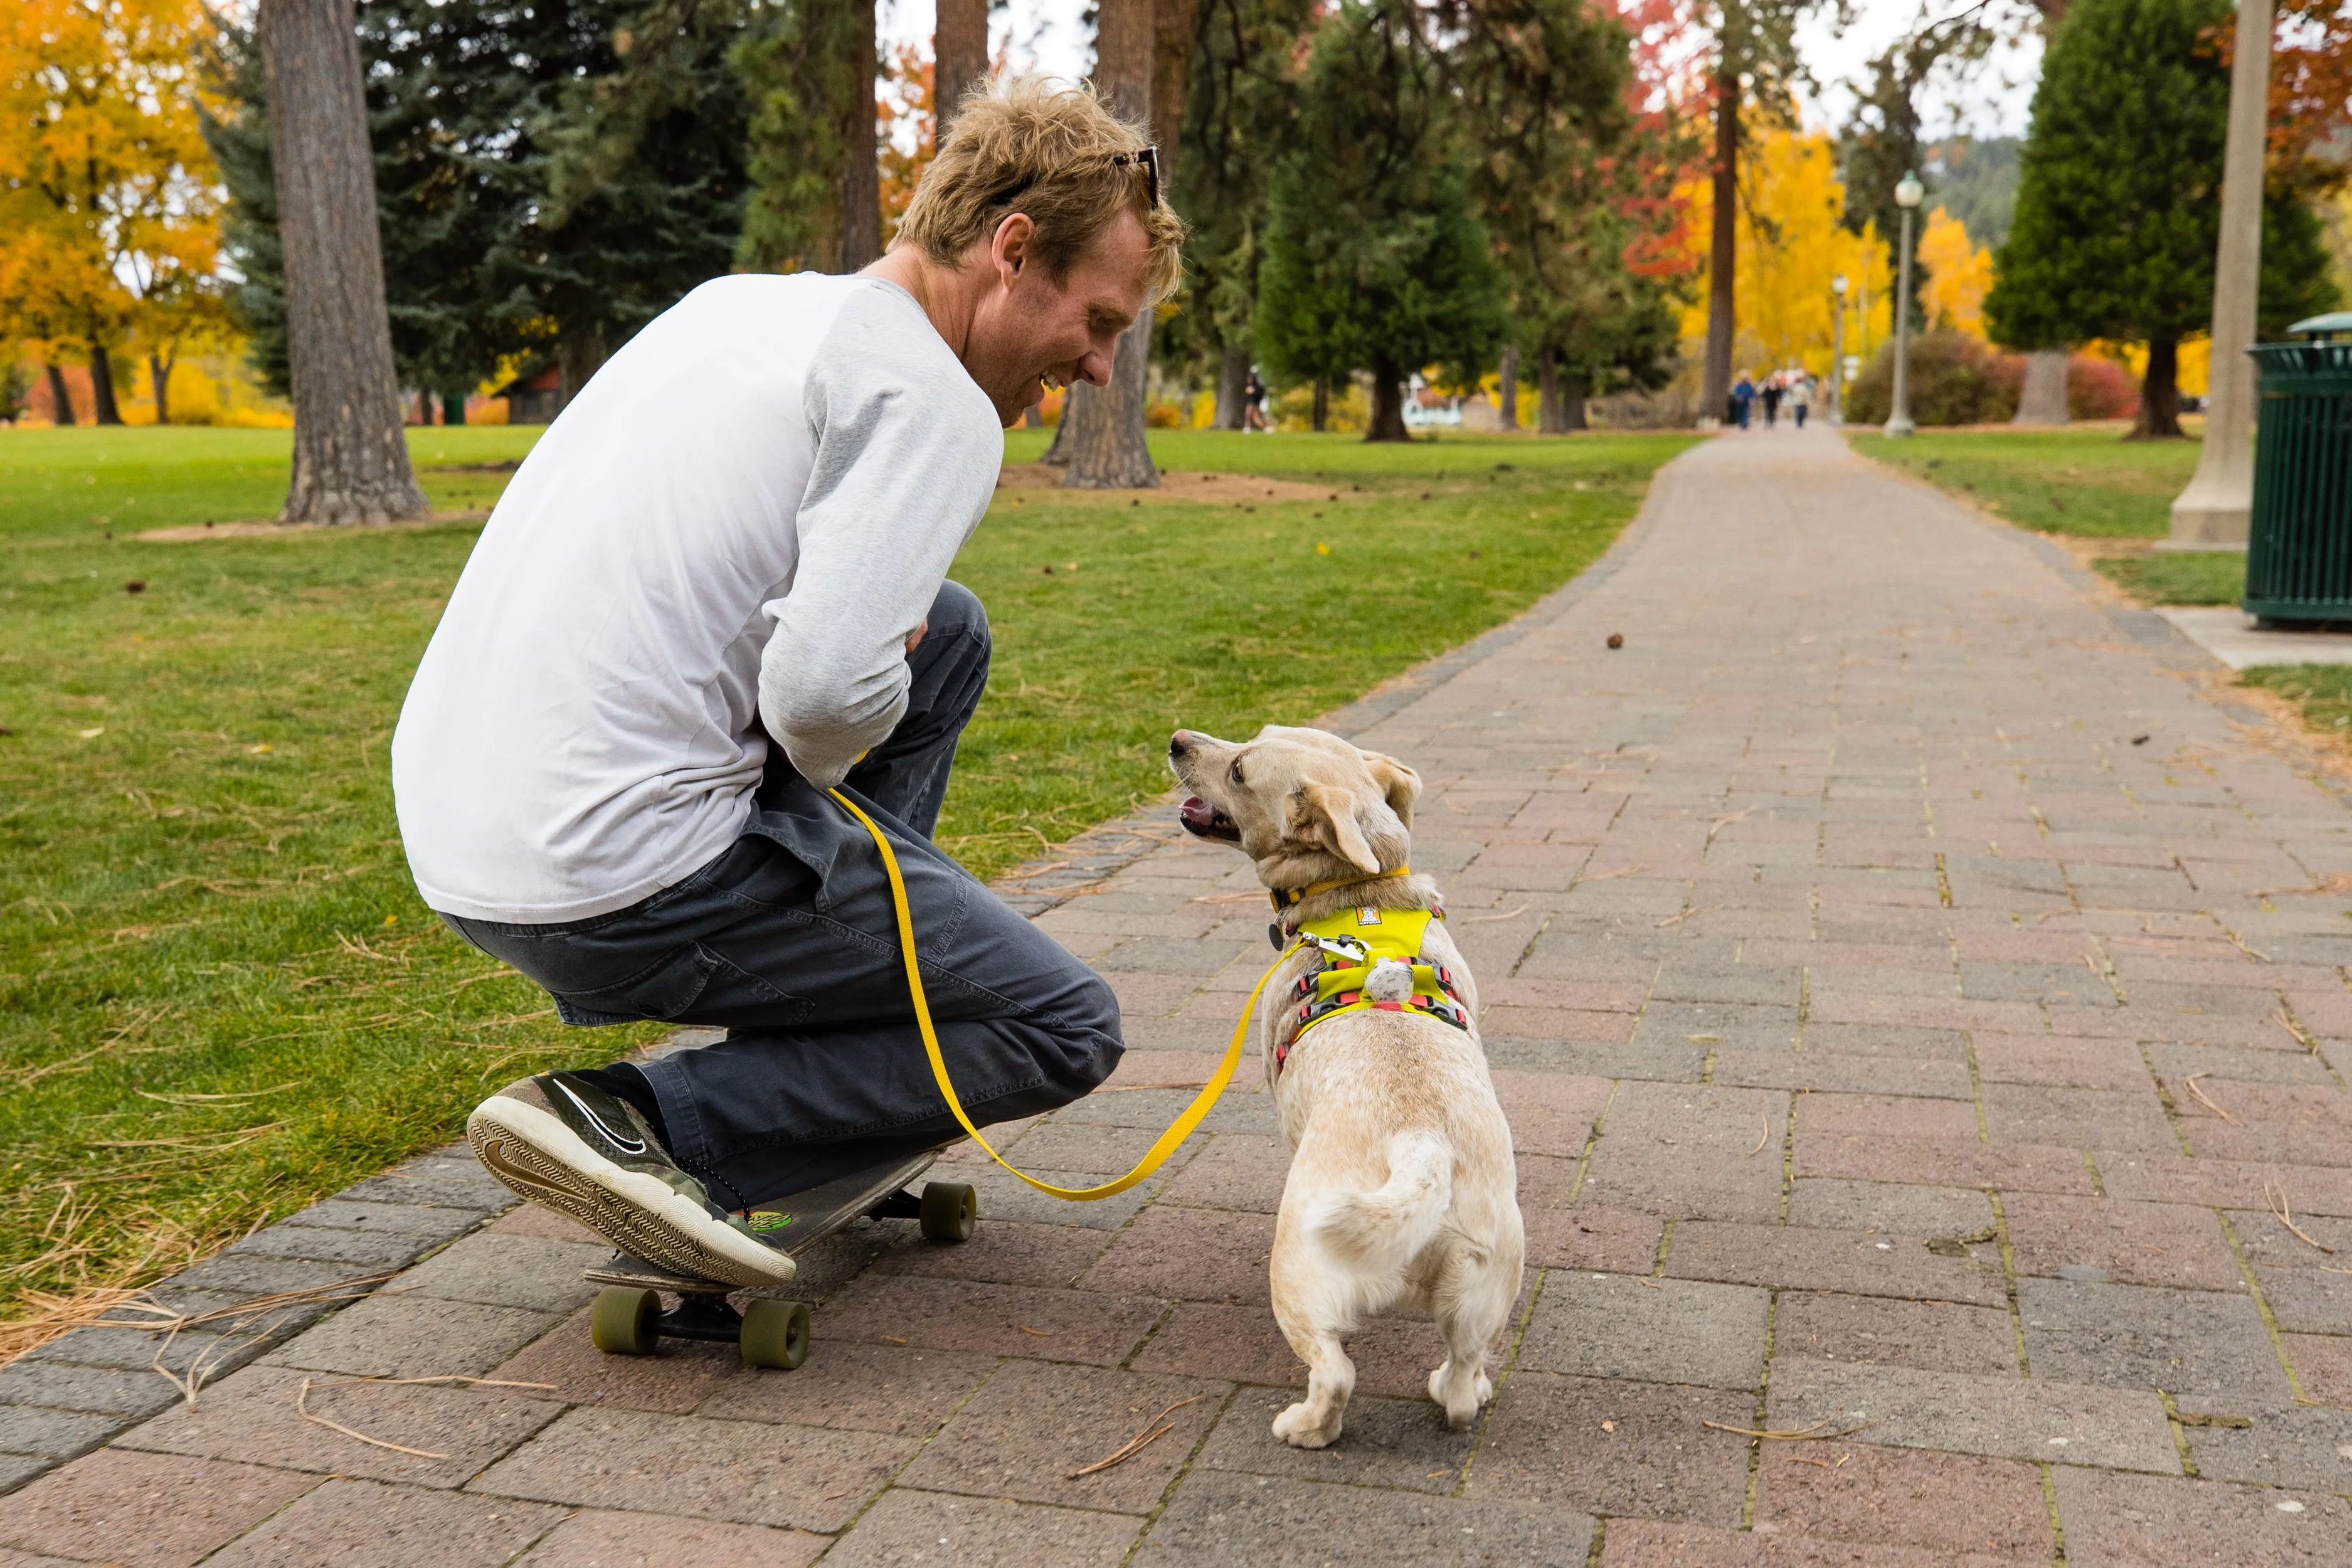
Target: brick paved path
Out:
[1905,988]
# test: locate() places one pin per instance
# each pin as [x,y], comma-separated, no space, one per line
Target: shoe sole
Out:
[533,1153]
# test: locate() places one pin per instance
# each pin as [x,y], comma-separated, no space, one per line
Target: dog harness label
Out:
[1337,986]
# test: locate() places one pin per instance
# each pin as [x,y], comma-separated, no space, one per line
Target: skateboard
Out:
[629,1319]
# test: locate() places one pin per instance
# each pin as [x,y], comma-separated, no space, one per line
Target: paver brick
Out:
[1592,1236]
[1657,1330]
[743,1472]
[1654,1544]
[508,1271]
[1219,1517]
[1001,1252]
[997,1320]
[144,1510]
[2001,1417]
[674,1380]
[412,1336]
[54,1434]
[598,1539]
[2078,1118]
[2196,1344]
[1935,1335]
[1685,1150]
[1032,1429]
[2132,1243]
[2283,1445]
[104,1390]
[1546,1441]
[1393,1355]
[2307,1301]
[906,1526]
[1942,1162]
[1860,1262]
[2151,1522]
[1904,1497]
[1402,1444]
[393,1527]
[867,1388]
[1824,1203]
[1195,1255]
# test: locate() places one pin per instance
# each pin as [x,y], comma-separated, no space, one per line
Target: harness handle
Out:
[1156,1156]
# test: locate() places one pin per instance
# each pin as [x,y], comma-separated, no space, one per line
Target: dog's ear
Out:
[1330,820]
[1399,782]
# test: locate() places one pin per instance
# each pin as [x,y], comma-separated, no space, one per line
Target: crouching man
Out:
[715,589]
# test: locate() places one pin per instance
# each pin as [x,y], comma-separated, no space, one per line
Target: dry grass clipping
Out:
[1159,1427]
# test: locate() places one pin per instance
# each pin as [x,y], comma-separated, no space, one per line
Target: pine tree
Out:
[2118,197]
[1373,259]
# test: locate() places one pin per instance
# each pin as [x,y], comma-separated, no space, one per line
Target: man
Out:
[716,588]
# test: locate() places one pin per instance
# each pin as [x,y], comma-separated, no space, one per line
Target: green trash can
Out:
[2299,549]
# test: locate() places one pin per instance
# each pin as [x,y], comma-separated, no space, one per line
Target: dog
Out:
[1403,1192]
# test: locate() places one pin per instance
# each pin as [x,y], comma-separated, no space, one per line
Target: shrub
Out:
[1955,379]
[2099,388]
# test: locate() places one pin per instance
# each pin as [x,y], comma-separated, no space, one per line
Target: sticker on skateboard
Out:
[630,1320]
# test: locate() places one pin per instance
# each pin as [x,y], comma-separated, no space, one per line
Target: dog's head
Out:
[1303,804]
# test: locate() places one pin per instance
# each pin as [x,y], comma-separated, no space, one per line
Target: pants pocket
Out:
[663,990]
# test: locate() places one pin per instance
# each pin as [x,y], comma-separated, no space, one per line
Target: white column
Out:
[2213,511]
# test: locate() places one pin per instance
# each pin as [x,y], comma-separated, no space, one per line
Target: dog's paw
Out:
[1461,1403]
[1298,1427]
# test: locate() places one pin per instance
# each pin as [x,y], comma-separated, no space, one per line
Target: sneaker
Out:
[587,1154]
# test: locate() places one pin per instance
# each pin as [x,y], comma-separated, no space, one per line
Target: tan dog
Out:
[1402,1191]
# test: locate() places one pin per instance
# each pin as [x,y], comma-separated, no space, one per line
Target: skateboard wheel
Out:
[775,1333]
[623,1321]
[948,1210]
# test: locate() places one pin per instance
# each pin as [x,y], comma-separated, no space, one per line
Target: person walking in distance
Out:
[1771,400]
[717,590]
[1253,403]
[1800,395]
[1743,401]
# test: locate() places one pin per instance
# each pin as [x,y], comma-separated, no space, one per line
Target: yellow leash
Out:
[1169,1140]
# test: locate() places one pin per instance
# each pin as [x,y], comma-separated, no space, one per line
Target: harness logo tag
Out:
[1366,916]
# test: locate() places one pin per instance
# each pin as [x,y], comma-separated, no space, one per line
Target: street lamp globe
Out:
[1837,284]
[1909,192]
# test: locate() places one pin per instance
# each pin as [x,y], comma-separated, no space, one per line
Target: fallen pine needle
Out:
[1799,1435]
[1764,1135]
[302,1408]
[1613,876]
[2278,1209]
[1686,914]
[1475,920]
[891,1340]
[1141,1440]
[2191,1082]
[1651,1284]
[1041,1334]
[2330,1269]
[460,1377]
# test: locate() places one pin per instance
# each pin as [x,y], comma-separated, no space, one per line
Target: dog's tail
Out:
[1388,1228]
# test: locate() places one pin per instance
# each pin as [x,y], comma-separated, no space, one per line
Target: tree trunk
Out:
[861,173]
[1233,376]
[453,408]
[1034,417]
[1102,435]
[579,355]
[1322,411]
[159,376]
[1388,404]
[1509,413]
[2159,394]
[61,408]
[1573,390]
[1173,26]
[960,55]
[101,387]
[1548,414]
[351,461]
[1723,251]
[2042,399]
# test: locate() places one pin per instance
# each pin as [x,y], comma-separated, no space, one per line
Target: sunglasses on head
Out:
[1147,159]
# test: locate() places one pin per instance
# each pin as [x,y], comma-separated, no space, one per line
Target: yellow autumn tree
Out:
[108,224]
[1958,272]
[1791,242]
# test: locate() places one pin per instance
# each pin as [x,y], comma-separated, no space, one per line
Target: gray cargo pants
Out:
[789,940]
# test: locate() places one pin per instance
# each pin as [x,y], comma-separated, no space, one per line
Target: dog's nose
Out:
[1181,742]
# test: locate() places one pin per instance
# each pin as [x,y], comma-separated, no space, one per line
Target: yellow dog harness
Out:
[1355,944]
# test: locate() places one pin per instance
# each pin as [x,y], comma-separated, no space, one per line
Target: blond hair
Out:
[1055,154]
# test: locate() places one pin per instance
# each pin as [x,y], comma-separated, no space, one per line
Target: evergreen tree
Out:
[1373,260]
[811,90]
[2118,197]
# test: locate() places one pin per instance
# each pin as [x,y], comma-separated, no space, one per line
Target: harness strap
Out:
[1289,898]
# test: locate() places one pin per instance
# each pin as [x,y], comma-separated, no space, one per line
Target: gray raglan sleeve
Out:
[907,450]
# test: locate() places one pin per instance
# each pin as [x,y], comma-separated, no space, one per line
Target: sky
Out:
[1047,36]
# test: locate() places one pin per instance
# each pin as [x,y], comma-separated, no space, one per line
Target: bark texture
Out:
[2159,394]
[1232,375]
[1101,439]
[1388,404]
[1723,249]
[1507,412]
[103,409]
[579,354]
[960,48]
[861,177]
[2042,399]
[61,406]
[158,378]
[1322,409]
[350,463]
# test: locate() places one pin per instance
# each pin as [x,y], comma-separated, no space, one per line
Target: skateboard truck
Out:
[629,1319]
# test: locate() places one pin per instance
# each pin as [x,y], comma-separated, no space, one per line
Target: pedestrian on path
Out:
[715,591]
[1800,395]
[1743,401]
[1253,403]
[1772,393]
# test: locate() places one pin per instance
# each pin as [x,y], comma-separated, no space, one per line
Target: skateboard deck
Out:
[629,1319]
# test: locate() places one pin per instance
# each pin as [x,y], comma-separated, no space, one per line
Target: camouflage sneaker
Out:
[565,1144]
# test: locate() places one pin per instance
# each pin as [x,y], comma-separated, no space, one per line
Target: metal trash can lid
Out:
[2333,323]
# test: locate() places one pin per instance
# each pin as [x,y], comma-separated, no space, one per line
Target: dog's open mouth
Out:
[1205,821]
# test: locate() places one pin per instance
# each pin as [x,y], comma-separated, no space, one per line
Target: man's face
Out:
[1030,332]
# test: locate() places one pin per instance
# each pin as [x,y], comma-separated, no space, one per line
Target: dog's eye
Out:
[1237,769]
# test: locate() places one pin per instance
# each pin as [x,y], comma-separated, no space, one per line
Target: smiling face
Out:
[1032,331]
[1304,804]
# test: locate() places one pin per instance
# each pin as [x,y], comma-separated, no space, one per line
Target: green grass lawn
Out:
[2075,480]
[2190,577]
[219,997]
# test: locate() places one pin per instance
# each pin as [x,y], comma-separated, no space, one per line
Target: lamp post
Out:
[1898,423]
[1837,356]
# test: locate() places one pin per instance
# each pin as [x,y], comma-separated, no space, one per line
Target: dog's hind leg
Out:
[1313,1421]
[1472,1299]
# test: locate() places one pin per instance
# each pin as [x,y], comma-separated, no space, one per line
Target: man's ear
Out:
[1399,782]
[1330,821]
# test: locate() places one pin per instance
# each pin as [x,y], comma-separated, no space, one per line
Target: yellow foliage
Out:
[108,208]
[1791,242]
[1959,274]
